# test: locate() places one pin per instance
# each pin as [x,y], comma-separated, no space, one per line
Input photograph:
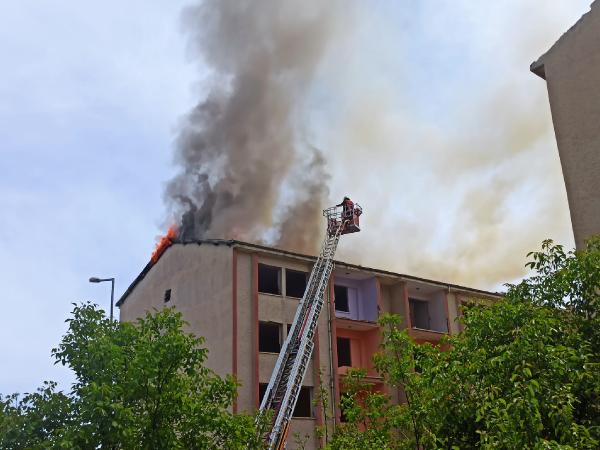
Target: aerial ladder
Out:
[284,387]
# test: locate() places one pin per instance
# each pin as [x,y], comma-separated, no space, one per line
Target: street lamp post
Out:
[112,290]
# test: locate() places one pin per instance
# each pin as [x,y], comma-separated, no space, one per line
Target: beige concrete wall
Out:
[453,314]
[200,281]
[282,309]
[326,361]
[572,70]
[385,298]
[398,304]
[304,429]
[462,298]
[246,332]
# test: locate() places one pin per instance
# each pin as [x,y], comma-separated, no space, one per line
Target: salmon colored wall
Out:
[363,344]
[317,382]
[336,381]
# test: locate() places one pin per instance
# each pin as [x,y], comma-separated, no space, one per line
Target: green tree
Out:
[138,385]
[525,374]
[34,421]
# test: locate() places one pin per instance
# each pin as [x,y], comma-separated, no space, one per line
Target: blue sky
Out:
[430,102]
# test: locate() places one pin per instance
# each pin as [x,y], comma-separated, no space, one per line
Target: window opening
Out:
[167,296]
[304,404]
[269,337]
[341,298]
[269,279]
[419,314]
[295,283]
[343,352]
[262,388]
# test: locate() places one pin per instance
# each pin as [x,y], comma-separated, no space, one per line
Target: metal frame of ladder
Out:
[284,387]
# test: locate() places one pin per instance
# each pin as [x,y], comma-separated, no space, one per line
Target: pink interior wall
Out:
[363,344]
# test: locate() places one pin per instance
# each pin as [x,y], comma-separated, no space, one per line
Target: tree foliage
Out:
[525,373]
[138,385]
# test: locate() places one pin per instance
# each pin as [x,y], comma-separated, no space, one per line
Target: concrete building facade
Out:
[571,69]
[242,298]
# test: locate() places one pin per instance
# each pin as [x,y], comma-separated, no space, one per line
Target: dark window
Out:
[419,314]
[295,283]
[262,388]
[341,298]
[304,404]
[269,337]
[269,279]
[343,352]
[167,295]
[289,328]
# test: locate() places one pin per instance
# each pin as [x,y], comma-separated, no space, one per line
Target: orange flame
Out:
[164,243]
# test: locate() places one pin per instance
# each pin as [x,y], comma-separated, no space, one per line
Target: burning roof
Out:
[164,242]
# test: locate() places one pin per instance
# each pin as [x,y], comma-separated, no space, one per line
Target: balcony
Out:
[355,296]
[356,343]
[428,313]
[422,336]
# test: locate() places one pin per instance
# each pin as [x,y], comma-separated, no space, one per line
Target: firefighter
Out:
[347,208]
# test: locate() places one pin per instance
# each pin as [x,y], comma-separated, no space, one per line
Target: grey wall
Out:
[572,70]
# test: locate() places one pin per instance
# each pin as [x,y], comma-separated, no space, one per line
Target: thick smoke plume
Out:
[240,151]
[454,161]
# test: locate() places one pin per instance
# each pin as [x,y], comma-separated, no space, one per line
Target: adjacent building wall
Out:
[572,72]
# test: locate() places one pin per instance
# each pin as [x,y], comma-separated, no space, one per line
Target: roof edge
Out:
[150,264]
[370,269]
[263,248]
[136,280]
[538,66]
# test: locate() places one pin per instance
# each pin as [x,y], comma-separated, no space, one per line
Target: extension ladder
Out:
[282,392]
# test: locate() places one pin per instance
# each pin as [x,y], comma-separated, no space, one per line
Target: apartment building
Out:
[571,68]
[242,298]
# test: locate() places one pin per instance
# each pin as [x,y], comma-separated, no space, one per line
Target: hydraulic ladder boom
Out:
[284,387]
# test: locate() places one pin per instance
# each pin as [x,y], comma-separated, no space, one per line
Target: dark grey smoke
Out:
[303,220]
[240,147]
